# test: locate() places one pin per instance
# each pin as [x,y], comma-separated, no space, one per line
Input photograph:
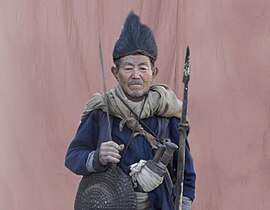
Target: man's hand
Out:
[109,152]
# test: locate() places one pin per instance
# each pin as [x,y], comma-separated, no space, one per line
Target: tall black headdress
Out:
[135,38]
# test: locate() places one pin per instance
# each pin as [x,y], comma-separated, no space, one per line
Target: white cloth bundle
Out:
[146,178]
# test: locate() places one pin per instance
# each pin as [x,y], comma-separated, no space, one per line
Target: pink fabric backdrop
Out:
[50,66]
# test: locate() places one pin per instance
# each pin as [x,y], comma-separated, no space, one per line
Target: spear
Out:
[104,90]
[183,129]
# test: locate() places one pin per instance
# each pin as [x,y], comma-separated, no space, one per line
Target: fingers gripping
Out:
[109,152]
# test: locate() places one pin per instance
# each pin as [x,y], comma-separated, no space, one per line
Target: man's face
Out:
[135,75]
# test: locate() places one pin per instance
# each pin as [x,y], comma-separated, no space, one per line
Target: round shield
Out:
[111,189]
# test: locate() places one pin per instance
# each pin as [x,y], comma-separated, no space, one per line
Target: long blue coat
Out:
[91,133]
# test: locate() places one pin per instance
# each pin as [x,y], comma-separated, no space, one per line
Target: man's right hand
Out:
[109,152]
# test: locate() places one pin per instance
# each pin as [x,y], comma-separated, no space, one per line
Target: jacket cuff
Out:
[186,204]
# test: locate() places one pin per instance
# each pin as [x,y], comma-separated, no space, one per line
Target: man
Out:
[143,117]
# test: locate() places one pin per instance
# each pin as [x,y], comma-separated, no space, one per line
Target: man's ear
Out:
[114,72]
[154,72]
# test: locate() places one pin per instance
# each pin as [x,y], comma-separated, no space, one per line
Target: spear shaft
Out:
[183,129]
[105,97]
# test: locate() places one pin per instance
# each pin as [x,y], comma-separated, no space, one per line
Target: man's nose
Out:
[136,72]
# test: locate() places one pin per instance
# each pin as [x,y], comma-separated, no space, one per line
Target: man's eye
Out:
[128,68]
[143,69]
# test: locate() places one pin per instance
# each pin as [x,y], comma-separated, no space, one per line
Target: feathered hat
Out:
[135,38]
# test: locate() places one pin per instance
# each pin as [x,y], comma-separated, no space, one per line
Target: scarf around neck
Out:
[161,101]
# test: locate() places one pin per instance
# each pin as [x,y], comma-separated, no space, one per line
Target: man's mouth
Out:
[135,83]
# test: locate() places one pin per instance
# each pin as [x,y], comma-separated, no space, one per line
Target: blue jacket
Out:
[90,134]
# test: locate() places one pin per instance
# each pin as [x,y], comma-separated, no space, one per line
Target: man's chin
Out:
[135,95]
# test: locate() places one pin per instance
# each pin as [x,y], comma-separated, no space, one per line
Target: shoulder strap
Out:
[163,128]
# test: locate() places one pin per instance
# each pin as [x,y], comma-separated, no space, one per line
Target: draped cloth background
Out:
[50,66]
